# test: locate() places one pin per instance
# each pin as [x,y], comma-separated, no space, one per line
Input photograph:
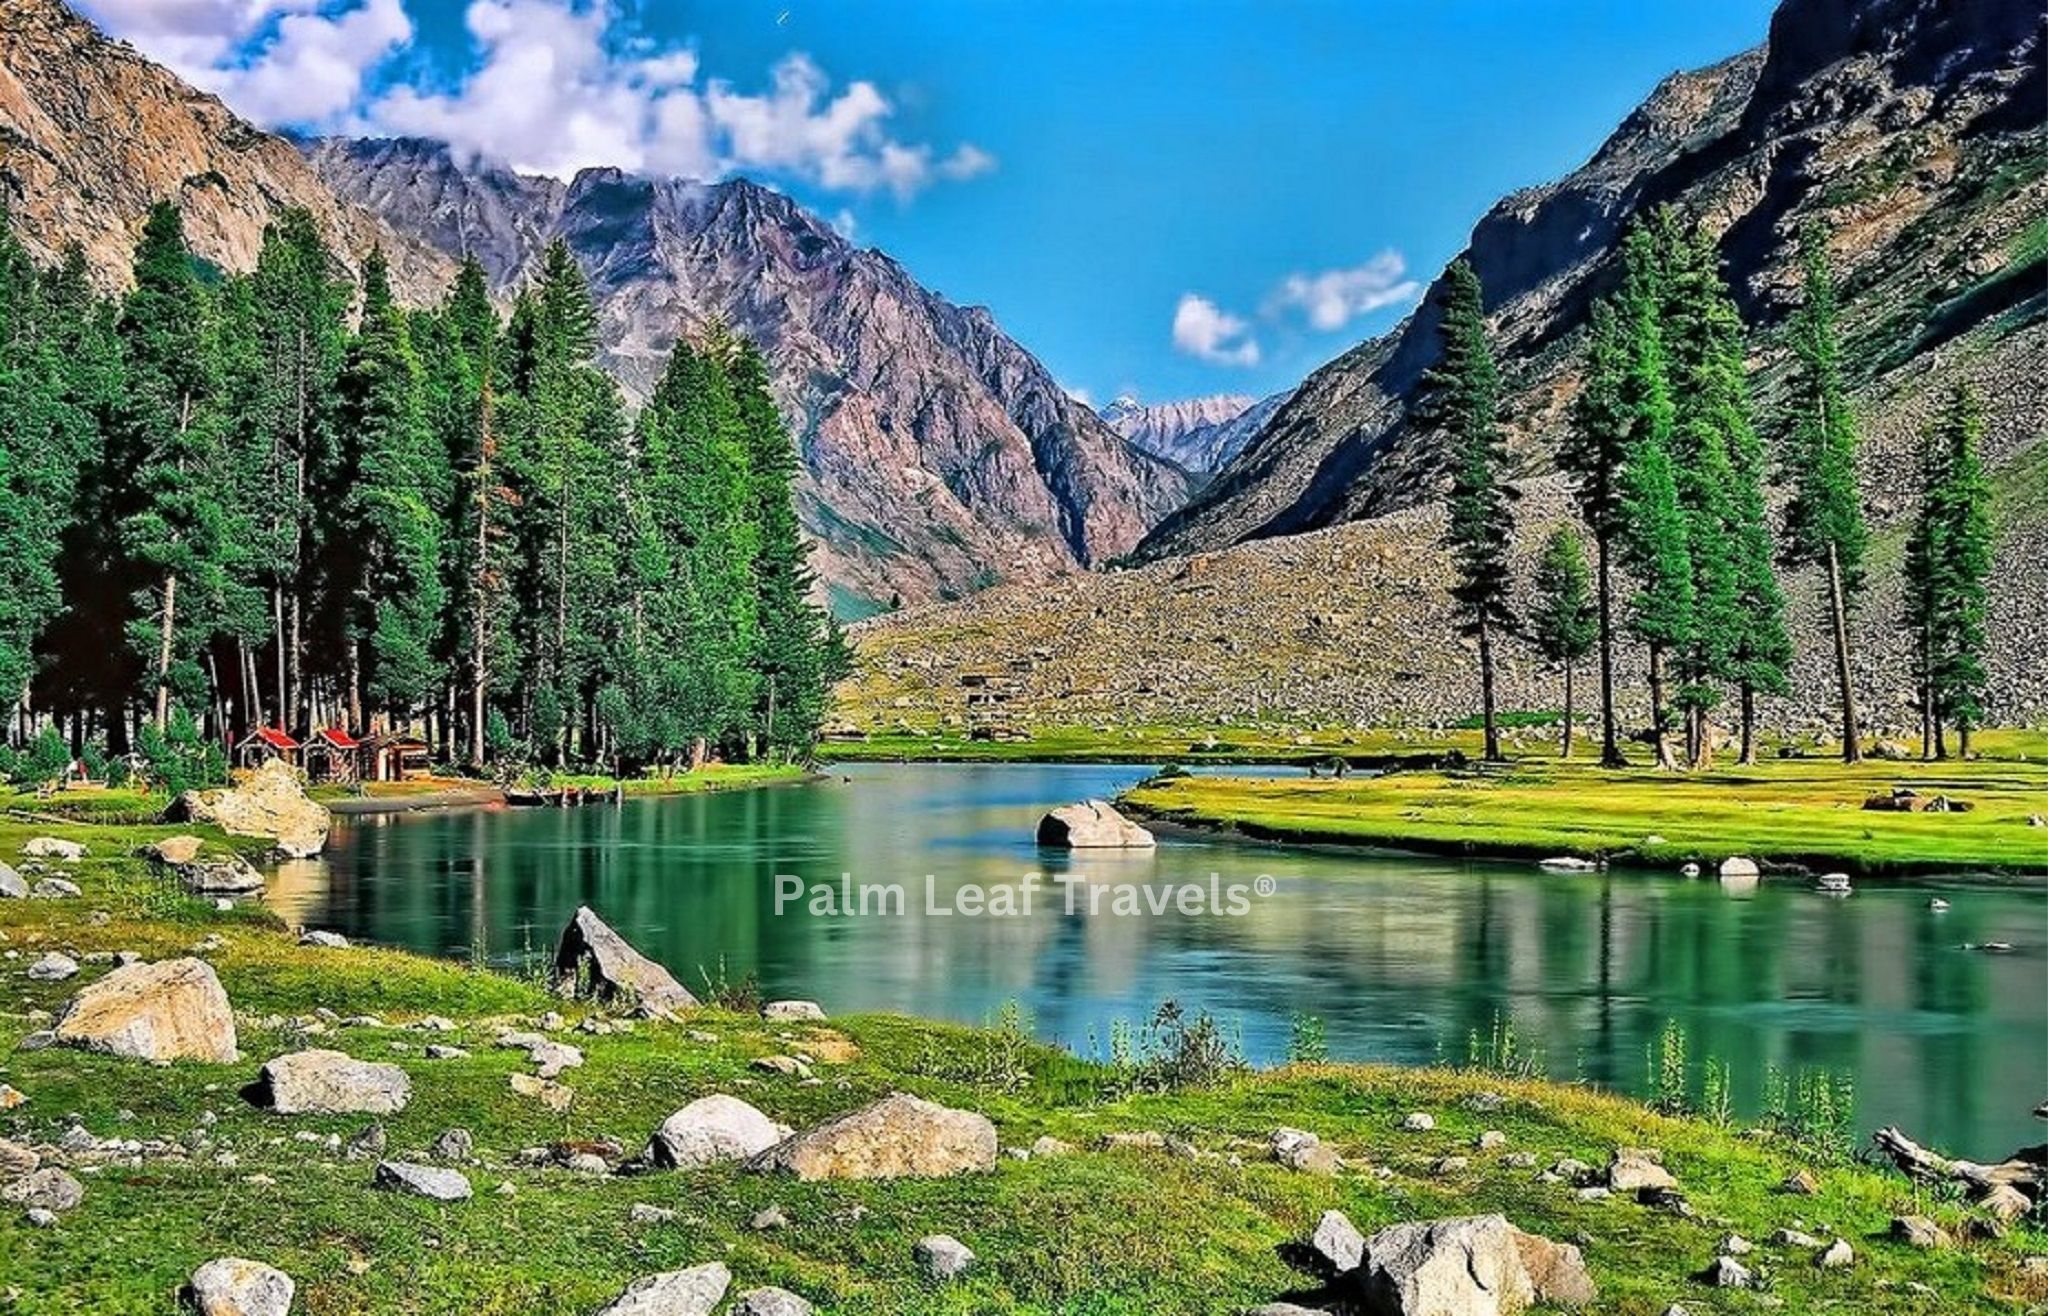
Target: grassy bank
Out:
[1793,811]
[1096,1233]
[1148,744]
[430,791]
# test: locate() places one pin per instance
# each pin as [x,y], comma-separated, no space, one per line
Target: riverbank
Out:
[389,797]
[1215,744]
[1167,1200]
[1788,812]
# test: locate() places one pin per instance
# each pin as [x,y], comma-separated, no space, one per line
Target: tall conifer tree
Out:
[1594,453]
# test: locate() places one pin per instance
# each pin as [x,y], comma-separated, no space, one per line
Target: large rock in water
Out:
[231,1286]
[331,1083]
[1469,1266]
[713,1129]
[1091,825]
[897,1137]
[617,971]
[269,802]
[171,1010]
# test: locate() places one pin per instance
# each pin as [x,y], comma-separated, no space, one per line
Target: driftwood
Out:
[2025,1171]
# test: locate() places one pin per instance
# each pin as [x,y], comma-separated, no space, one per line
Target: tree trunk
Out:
[479,599]
[1610,740]
[355,683]
[1658,734]
[1567,750]
[1963,736]
[1852,735]
[166,632]
[1493,754]
[1748,756]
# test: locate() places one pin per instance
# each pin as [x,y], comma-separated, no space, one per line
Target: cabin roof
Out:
[271,736]
[338,738]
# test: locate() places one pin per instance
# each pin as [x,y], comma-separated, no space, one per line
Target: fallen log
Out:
[2025,1170]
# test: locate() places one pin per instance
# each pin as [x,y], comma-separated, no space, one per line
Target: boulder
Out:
[224,874]
[323,939]
[616,972]
[1920,1232]
[1469,1266]
[173,850]
[942,1256]
[1727,1273]
[1739,868]
[331,1083]
[231,1286]
[55,888]
[770,1302]
[899,1136]
[793,1010]
[1633,1170]
[170,1010]
[12,885]
[1838,1255]
[713,1129]
[269,803]
[49,847]
[1091,825]
[423,1181]
[52,967]
[17,1160]
[1336,1246]
[48,1189]
[692,1292]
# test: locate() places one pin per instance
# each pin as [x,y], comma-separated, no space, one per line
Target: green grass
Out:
[1147,744]
[1095,1234]
[1804,811]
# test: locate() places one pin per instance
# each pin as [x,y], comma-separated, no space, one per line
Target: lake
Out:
[1404,960]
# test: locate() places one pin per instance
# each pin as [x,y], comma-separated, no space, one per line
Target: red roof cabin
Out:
[333,755]
[264,744]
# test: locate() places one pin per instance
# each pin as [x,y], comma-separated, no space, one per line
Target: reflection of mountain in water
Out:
[1405,960]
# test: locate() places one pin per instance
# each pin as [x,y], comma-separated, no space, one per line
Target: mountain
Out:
[1181,431]
[939,456]
[1912,130]
[92,134]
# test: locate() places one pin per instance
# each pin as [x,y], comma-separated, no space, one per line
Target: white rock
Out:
[232,1286]
[692,1292]
[713,1129]
[423,1181]
[942,1256]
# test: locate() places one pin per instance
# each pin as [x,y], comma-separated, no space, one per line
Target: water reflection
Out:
[1403,959]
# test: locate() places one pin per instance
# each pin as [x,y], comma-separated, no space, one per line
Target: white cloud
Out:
[1080,395]
[1334,298]
[558,86]
[1206,331]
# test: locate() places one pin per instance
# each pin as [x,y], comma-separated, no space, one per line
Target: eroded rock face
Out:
[270,803]
[331,1083]
[897,1137]
[171,1010]
[713,1129]
[1091,825]
[693,1292]
[233,1286]
[591,955]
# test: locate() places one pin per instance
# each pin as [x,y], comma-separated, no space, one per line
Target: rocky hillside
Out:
[939,456]
[1200,434]
[1912,129]
[92,133]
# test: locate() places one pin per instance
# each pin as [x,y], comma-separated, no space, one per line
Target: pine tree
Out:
[1654,546]
[388,534]
[1960,508]
[1460,402]
[1824,523]
[1563,623]
[1594,454]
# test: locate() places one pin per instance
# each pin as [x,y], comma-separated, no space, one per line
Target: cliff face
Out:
[939,456]
[1911,129]
[92,134]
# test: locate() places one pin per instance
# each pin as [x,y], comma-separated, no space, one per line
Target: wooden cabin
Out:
[333,755]
[395,756]
[264,744]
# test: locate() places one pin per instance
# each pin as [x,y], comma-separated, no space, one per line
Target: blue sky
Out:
[1170,197]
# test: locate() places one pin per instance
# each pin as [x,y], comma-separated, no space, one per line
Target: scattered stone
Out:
[1303,1151]
[1471,1264]
[170,1010]
[1800,1183]
[942,1256]
[1491,1140]
[49,1188]
[1634,1169]
[692,1292]
[53,967]
[454,1145]
[2005,1202]
[1519,1160]
[713,1129]
[436,1051]
[50,847]
[423,1181]
[12,885]
[323,938]
[269,802]
[1449,1165]
[554,1057]
[55,888]
[1419,1122]
[180,857]
[1091,825]
[435,1023]
[368,1144]
[643,1213]
[555,1096]
[17,1160]
[1336,1247]
[232,1286]
[1727,1273]
[1919,1232]
[787,1065]
[331,1083]
[1837,1255]
[770,1302]
[768,1218]
[1485,1103]
[591,956]
[1282,1309]
[1794,1238]
[793,1010]
[1740,869]
[1735,1245]
[40,1218]
[1047,1145]
[587,1163]
[897,1136]
[1595,1193]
